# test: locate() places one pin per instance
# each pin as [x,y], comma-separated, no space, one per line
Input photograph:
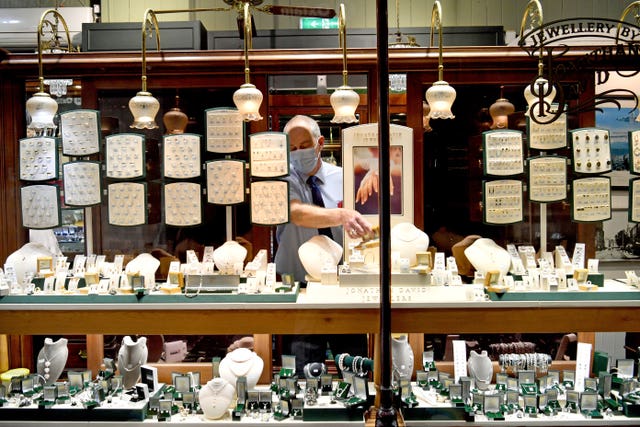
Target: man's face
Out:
[300,138]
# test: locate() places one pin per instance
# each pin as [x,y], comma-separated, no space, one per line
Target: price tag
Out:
[459,359]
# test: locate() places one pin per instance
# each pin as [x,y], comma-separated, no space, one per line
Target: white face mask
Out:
[304,160]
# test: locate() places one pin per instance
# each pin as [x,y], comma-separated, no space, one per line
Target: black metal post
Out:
[386,413]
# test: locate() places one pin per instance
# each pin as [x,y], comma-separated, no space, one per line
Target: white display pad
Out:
[38,159]
[225,130]
[40,206]
[181,156]
[269,202]
[82,185]
[183,204]
[124,154]
[127,203]
[269,155]
[225,182]
[80,130]
[547,179]
[591,199]
[503,152]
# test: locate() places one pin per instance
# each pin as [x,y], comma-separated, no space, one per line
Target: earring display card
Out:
[183,204]
[502,201]
[591,199]
[548,136]
[125,156]
[225,130]
[81,183]
[634,200]
[591,150]
[269,155]
[40,206]
[181,156]
[502,152]
[634,152]
[127,203]
[225,182]
[38,159]
[80,131]
[547,178]
[269,202]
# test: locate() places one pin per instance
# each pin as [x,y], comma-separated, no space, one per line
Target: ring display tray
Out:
[611,291]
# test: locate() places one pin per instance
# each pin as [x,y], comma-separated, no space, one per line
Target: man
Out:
[308,219]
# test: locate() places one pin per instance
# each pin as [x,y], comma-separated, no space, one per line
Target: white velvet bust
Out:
[486,255]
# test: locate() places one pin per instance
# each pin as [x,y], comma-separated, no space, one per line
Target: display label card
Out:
[459,359]
[583,365]
[578,259]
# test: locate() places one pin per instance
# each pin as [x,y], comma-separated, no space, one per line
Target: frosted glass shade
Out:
[541,85]
[440,97]
[144,108]
[344,101]
[500,111]
[248,99]
[42,109]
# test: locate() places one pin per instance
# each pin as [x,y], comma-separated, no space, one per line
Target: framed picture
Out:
[360,164]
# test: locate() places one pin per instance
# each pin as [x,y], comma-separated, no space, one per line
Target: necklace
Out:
[47,362]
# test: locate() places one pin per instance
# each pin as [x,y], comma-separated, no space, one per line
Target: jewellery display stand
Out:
[52,359]
[502,152]
[38,159]
[591,150]
[318,253]
[82,184]
[591,199]
[181,156]
[269,202]
[269,154]
[242,362]
[547,178]
[634,200]
[548,136]
[40,206]
[502,201]
[225,130]
[131,356]
[80,130]
[127,203]
[125,156]
[225,182]
[183,204]
[634,152]
[215,398]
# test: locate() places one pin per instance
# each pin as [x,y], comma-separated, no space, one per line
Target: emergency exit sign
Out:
[319,23]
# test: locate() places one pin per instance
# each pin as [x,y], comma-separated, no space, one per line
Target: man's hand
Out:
[369,185]
[355,225]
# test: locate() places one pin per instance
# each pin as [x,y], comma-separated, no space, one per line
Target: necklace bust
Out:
[216,397]
[52,359]
[131,356]
[241,362]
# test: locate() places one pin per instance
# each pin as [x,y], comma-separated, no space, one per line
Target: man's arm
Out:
[311,216]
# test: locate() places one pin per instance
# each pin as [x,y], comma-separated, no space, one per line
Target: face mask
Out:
[304,160]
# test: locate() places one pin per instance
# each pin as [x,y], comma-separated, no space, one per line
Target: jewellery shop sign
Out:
[319,293]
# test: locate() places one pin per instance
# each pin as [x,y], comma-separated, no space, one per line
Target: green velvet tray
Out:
[153,298]
[611,291]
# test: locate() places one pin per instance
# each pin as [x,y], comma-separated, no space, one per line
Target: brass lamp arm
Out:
[342,29]
[436,22]
[41,25]
[534,10]
[149,17]
[247,41]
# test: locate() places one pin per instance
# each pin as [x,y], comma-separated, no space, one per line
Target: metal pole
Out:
[386,413]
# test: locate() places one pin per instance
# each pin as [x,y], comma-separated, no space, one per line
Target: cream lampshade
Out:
[248,98]
[440,95]
[144,106]
[42,109]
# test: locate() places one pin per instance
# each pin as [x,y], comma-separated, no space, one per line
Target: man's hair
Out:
[305,121]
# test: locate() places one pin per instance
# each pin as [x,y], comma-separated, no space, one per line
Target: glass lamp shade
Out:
[175,121]
[440,97]
[500,111]
[344,101]
[144,108]
[248,99]
[41,108]
[541,85]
